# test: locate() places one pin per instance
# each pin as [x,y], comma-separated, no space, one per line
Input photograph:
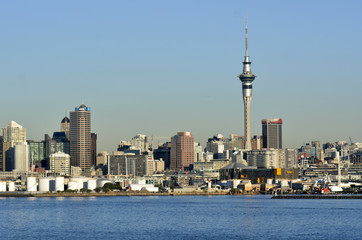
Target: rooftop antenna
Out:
[246,35]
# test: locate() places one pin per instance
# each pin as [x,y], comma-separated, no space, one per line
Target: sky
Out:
[159,67]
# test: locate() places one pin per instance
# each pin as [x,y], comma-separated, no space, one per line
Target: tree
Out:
[109,186]
[159,185]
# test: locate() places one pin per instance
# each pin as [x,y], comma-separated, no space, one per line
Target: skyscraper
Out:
[163,152]
[94,149]
[80,137]
[272,133]
[65,125]
[182,151]
[21,157]
[247,78]
[2,166]
[13,133]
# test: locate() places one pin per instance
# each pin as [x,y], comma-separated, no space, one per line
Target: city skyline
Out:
[135,61]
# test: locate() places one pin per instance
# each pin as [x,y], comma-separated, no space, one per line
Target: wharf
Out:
[317,196]
[109,194]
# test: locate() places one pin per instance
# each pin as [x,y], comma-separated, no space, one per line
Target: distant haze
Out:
[158,67]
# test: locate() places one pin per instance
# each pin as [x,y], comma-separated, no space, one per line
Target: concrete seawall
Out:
[110,194]
[315,196]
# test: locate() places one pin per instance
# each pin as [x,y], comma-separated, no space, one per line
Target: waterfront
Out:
[179,217]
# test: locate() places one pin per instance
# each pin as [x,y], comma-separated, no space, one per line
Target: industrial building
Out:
[128,165]
[258,175]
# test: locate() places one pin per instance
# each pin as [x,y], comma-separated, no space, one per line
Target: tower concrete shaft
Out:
[247,78]
[247,125]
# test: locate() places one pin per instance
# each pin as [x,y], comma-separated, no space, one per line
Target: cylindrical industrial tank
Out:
[91,184]
[11,186]
[81,182]
[72,185]
[44,184]
[269,181]
[2,186]
[31,184]
[284,183]
[59,184]
[101,182]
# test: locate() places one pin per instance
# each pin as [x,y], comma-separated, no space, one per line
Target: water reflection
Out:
[186,217]
[77,198]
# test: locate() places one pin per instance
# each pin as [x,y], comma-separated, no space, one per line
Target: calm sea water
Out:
[185,217]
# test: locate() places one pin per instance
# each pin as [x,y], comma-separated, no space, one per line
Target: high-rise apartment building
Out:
[80,137]
[272,133]
[182,151]
[13,133]
[247,78]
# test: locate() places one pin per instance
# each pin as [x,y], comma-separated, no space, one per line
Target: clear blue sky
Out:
[158,67]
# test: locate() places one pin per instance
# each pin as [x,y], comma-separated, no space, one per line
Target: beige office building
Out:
[60,163]
[13,133]
[80,137]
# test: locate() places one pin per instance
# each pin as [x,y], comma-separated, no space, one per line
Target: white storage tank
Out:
[284,183]
[101,182]
[91,184]
[81,182]
[44,184]
[72,185]
[11,186]
[269,181]
[59,184]
[31,184]
[2,186]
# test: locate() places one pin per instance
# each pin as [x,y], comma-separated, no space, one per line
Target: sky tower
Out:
[247,78]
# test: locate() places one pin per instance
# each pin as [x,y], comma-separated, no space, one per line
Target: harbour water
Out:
[180,217]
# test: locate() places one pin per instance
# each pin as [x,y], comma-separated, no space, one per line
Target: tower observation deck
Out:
[247,78]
